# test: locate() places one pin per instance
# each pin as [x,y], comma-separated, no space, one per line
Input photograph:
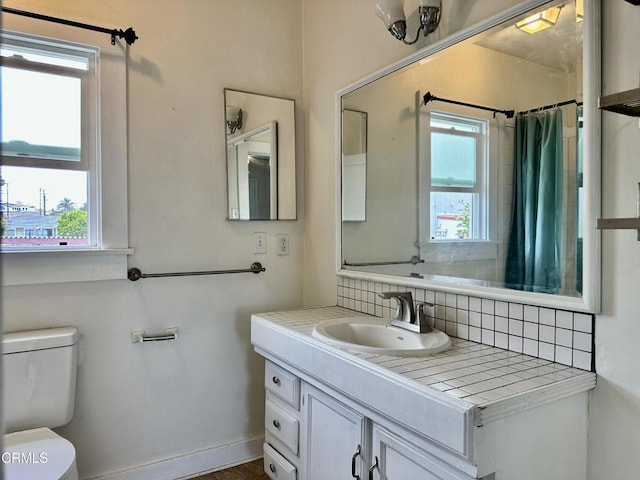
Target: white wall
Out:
[137,404]
[358,45]
[615,406]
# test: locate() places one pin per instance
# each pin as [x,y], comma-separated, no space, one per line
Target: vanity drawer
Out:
[282,425]
[282,383]
[276,466]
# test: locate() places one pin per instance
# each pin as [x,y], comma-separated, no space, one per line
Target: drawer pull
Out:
[353,463]
[373,467]
[276,424]
[275,380]
[272,467]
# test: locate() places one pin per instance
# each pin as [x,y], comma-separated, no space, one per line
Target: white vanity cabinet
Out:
[394,457]
[326,439]
[341,443]
[331,414]
[334,437]
[282,423]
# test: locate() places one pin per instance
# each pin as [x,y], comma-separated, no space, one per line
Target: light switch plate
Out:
[259,242]
[283,243]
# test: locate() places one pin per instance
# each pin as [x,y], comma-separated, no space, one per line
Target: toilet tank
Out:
[39,377]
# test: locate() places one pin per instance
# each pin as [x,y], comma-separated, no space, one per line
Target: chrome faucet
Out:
[405,316]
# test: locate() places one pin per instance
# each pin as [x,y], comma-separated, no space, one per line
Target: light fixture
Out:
[540,21]
[234,119]
[579,10]
[391,12]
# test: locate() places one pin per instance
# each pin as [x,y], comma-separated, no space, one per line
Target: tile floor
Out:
[246,471]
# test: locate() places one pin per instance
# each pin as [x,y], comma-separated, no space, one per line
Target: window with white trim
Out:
[457,186]
[64,154]
[49,170]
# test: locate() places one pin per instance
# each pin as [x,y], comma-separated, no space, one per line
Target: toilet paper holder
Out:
[158,336]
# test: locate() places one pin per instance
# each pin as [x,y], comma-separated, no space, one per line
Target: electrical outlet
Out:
[259,242]
[283,244]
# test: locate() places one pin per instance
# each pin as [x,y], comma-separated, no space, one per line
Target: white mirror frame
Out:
[590,300]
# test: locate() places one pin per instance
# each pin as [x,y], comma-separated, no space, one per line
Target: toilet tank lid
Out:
[16,342]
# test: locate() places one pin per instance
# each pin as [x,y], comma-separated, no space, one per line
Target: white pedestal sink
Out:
[375,335]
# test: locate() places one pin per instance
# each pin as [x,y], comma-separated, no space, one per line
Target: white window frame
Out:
[107,258]
[89,153]
[479,225]
[485,248]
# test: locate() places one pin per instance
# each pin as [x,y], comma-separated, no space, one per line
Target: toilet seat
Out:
[39,453]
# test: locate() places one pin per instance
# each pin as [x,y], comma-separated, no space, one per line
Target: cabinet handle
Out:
[276,380]
[276,424]
[373,467]
[353,463]
[272,467]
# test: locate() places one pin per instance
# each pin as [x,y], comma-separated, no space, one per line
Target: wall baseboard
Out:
[193,464]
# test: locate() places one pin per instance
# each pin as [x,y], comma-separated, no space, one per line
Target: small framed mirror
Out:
[260,156]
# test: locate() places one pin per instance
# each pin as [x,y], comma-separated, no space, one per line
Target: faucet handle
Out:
[423,318]
[398,295]
[405,311]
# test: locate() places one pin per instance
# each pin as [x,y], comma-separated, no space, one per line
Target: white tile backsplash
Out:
[582,322]
[557,335]
[531,330]
[547,316]
[531,314]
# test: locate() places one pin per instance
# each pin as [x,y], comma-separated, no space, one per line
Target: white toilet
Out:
[39,385]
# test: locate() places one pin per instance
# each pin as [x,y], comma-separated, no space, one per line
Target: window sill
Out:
[457,241]
[62,266]
[459,250]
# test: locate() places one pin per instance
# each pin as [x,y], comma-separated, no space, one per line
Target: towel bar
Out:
[413,261]
[134,274]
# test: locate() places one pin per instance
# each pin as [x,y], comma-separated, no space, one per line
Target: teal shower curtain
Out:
[535,244]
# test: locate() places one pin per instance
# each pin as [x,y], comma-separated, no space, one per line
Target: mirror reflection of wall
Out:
[261,174]
[354,166]
[440,177]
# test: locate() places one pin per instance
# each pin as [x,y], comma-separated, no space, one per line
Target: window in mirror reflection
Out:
[457,181]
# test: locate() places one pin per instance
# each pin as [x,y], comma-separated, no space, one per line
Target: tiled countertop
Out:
[477,374]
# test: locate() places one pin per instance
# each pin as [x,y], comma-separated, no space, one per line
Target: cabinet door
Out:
[396,459]
[333,438]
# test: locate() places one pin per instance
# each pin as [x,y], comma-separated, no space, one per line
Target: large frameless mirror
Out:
[260,140]
[482,162]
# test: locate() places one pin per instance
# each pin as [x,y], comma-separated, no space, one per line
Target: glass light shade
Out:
[390,11]
[232,113]
[540,21]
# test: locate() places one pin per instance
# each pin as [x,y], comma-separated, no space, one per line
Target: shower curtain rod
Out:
[549,107]
[129,34]
[428,97]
